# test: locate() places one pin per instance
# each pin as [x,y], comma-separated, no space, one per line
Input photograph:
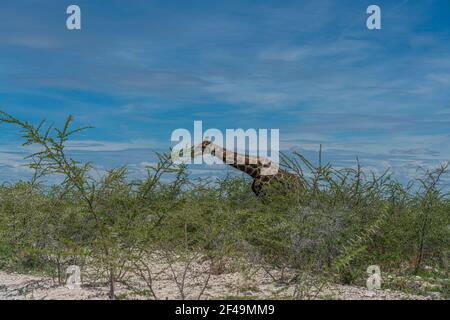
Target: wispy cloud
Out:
[308,68]
[111,146]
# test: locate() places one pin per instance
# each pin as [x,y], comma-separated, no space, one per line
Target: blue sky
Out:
[140,69]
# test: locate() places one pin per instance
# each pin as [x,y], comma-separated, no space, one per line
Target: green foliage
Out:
[340,222]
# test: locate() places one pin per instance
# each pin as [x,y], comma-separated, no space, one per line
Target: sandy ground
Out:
[20,287]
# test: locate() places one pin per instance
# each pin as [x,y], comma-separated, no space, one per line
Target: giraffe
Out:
[264,172]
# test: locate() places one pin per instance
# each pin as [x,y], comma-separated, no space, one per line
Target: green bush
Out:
[341,222]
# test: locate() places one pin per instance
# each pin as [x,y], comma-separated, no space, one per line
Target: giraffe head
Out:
[205,143]
[199,149]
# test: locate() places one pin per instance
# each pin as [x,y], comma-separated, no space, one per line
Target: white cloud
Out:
[111,146]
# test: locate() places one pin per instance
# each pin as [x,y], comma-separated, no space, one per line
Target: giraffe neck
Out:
[244,163]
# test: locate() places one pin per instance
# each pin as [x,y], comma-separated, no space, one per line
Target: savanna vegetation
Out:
[116,228]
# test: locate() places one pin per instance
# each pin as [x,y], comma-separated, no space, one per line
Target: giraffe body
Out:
[265,173]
